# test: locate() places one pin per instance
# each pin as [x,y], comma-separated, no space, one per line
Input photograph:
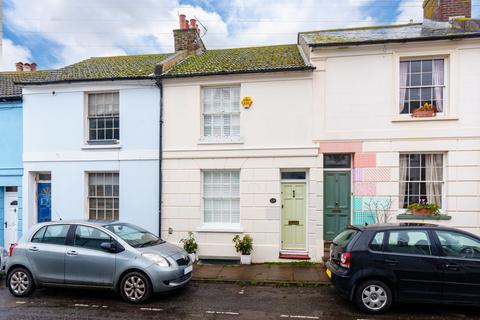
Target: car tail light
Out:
[345,260]
[12,247]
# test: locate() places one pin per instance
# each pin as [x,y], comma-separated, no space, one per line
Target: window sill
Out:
[115,145]
[406,216]
[415,119]
[220,141]
[221,229]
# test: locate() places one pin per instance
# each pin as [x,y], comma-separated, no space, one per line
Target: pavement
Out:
[279,274]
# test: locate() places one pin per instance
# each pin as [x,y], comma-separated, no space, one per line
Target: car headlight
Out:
[157,259]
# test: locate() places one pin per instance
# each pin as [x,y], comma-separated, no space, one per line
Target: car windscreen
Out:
[344,238]
[133,235]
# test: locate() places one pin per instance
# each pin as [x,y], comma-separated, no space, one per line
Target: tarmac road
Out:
[201,300]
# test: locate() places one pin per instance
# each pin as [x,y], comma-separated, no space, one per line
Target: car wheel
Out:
[135,287]
[20,282]
[373,296]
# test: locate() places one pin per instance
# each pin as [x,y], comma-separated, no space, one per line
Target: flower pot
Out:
[423,113]
[245,259]
[193,257]
[422,212]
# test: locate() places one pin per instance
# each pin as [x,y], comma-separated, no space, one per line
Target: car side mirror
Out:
[109,246]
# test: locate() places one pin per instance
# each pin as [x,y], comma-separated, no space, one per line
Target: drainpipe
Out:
[158,82]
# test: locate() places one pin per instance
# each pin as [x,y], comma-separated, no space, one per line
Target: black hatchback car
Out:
[377,265]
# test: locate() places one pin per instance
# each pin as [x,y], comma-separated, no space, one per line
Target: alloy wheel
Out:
[374,297]
[134,288]
[19,282]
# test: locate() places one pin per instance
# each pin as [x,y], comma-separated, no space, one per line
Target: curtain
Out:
[403,178]
[433,172]
[403,83]
[438,78]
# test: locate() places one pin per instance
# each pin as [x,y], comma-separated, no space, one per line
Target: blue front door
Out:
[44,201]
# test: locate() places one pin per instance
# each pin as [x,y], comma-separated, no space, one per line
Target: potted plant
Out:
[425,111]
[423,209]
[245,247]
[190,245]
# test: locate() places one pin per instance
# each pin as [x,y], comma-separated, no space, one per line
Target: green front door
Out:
[336,199]
[293,216]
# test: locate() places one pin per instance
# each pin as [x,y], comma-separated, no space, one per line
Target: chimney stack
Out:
[444,10]
[25,67]
[188,36]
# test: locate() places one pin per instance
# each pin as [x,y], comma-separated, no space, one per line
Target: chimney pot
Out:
[33,66]
[183,21]
[193,24]
[19,66]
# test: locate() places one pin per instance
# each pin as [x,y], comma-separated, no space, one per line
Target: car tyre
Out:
[20,282]
[373,296]
[135,287]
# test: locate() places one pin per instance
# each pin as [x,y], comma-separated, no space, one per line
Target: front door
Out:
[336,197]
[293,216]
[44,201]
[11,218]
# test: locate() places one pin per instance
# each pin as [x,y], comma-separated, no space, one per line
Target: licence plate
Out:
[187,269]
[329,273]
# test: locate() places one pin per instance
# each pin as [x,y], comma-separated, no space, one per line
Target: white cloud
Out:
[115,27]
[409,11]
[12,53]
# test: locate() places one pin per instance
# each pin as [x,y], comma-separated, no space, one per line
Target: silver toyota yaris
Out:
[118,256]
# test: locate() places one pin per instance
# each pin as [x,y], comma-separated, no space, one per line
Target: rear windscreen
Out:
[344,238]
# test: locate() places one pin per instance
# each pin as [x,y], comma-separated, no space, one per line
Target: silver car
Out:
[118,256]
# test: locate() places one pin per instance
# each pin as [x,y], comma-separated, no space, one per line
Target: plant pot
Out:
[193,257]
[245,259]
[422,212]
[423,113]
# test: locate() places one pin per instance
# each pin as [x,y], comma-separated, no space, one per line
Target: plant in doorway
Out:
[190,245]
[244,247]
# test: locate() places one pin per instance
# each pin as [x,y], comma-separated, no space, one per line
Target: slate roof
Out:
[382,34]
[10,90]
[140,66]
[241,60]
[210,62]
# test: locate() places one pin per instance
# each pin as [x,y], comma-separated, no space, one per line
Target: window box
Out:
[422,212]
[418,113]
[424,217]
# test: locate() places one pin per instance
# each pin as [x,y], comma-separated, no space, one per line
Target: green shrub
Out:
[245,245]
[189,243]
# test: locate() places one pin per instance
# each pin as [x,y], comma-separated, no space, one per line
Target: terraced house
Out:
[287,143]
[399,122]
[11,166]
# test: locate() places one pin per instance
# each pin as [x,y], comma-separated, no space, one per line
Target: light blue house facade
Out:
[11,168]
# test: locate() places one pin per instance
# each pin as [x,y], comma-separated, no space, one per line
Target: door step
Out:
[294,256]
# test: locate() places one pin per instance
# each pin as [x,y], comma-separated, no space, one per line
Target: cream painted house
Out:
[379,155]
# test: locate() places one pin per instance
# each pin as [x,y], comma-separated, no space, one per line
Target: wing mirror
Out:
[109,246]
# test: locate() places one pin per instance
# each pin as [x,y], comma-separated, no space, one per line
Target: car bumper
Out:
[164,280]
[339,278]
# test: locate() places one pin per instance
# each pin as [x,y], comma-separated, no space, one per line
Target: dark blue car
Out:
[377,265]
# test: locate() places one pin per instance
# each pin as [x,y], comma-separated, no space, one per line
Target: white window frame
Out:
[432,86]
[222,139]
[449,109]
[219,226]
[99,143]
[87,193]
[443,182]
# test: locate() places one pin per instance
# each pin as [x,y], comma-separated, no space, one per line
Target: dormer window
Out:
[422,81]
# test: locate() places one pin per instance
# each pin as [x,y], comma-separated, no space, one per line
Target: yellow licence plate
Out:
[329,273]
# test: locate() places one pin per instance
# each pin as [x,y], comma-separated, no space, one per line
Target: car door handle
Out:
[391,261]
[33,248]
[452,267]
[72,253]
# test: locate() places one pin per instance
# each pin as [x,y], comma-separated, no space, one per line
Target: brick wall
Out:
[442,10]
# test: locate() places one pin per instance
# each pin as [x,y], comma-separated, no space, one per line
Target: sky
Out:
[55,33]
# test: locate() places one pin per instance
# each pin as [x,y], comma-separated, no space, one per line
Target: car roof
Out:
[402,225]
[98,223]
